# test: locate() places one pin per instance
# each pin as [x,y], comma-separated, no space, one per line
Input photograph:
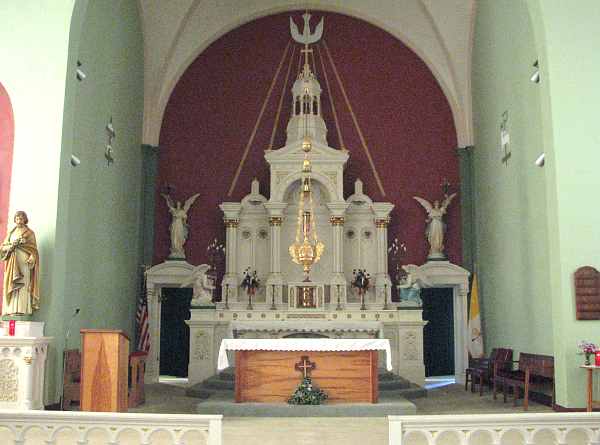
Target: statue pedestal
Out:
[22,370]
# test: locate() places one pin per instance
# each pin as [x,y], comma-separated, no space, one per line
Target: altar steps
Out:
[221,386]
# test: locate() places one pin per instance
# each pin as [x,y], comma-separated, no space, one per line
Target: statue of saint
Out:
[202,284]
[435,225]
[21,269]
[179,228]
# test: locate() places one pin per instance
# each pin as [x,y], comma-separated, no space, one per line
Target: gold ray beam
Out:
[360,133]
[335,116]
[279,106]
[258,120]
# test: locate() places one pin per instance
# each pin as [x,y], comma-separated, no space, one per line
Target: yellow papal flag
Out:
[475,334]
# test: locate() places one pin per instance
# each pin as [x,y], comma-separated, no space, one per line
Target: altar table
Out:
[269,370]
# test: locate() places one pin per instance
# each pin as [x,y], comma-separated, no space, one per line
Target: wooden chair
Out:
[71,378]
[535,371]
[137,368]
[482,370]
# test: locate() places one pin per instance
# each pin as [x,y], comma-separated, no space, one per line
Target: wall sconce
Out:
[540,160]
[75,161]
[535,77]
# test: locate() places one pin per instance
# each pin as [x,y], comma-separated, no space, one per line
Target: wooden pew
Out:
[482,369]
[534,372]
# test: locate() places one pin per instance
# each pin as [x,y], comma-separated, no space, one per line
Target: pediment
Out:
[293,153]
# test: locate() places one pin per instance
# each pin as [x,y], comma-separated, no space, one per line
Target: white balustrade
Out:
[496,429]
[83,428]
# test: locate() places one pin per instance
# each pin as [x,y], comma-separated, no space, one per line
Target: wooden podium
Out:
[104,369]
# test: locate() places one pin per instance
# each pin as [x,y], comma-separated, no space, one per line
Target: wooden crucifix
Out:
[305,366]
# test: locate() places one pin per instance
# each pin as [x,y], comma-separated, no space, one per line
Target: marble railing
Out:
[83,428]
[496,429]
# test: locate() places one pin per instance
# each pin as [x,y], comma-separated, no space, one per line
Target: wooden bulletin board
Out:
[587,293]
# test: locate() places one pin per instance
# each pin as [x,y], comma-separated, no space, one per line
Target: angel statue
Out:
[435,225]
[179,227]
[202,284]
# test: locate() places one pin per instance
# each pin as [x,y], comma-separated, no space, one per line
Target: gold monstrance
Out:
[307,249]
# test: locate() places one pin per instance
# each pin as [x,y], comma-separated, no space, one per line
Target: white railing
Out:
[496,429]
[56,427]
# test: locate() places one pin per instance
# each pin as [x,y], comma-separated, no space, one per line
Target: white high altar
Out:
[259,231]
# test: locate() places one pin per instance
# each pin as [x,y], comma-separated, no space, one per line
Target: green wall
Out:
[573,70]
[510,198]
[536,226]
[99,219]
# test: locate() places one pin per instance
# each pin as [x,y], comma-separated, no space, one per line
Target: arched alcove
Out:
[7,128]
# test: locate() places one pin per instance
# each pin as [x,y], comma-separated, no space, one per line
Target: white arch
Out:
[432,49]
[323,180]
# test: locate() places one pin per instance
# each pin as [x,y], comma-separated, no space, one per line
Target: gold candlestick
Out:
[339,303]
[227,296]
[273,307]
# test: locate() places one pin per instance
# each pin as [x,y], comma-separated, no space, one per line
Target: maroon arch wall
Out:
[7,129]
[402,111]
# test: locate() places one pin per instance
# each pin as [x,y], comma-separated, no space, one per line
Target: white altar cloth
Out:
[303,344]
[307,326]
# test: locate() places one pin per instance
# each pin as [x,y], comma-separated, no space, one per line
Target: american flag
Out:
[141,317]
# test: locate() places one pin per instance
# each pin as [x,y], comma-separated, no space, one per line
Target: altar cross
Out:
[305,366]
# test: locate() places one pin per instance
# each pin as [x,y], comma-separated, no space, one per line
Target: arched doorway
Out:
[7,128]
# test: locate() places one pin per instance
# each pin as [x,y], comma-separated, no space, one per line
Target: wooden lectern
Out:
[104,368]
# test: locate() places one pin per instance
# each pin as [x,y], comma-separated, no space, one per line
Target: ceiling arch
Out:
[175,33]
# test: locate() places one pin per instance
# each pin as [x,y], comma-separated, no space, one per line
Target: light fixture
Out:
[306,249]
[535,77]
[75,161]
[540,160]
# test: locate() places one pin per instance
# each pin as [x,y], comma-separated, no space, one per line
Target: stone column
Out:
[275,279]
[29,378]
[337,219]
[204,345]
[231,212]
[382,278]
[152,362]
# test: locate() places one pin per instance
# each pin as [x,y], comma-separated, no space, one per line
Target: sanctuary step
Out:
[221,386]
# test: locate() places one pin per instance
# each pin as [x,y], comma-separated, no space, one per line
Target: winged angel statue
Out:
[435,225]
[179,227]
[202,284]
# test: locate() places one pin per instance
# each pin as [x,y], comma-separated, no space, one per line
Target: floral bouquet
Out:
[361,280]
[588,349]
[307,394]
[397,251]
[250,282]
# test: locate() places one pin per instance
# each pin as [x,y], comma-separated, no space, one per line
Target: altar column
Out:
[275,279]
[231,220]
[337,219]
[383,283]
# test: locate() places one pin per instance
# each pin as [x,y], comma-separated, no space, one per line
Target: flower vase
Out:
[362,300]
[588,356]
[597,358]
[250,307]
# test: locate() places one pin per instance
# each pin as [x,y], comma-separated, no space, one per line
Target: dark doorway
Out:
[438,334]
[174,332]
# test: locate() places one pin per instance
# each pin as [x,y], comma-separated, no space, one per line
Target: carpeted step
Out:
[398,383]
[384,374]
[199,391]
[414,392]
[215,382]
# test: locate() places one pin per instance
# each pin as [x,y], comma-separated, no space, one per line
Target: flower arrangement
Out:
[307,394]
[361,280]
[250,282]
[397,251]
[588,349]
[216,252]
